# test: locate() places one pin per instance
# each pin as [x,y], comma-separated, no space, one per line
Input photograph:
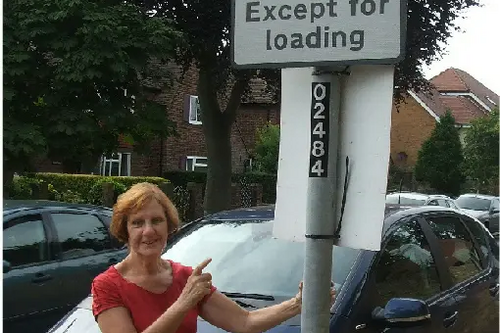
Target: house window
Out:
[248,165]
[194,110]
[118,164]
[196,163]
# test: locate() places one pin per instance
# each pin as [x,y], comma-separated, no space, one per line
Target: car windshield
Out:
[473,203]
[247,259]
[403,200]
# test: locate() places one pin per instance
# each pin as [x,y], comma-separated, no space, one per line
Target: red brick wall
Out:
[410,127]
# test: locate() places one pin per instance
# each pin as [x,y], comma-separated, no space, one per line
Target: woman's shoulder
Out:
[107,279]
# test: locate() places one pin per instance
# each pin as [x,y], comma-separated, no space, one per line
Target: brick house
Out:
[187,151]
[412,124]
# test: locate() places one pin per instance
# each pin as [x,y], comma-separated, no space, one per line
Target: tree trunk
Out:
[218,186]
[217,131]
[8,178]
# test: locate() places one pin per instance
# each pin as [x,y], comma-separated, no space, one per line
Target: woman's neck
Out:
[144,266]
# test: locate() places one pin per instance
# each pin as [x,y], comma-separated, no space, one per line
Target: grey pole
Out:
[320,218]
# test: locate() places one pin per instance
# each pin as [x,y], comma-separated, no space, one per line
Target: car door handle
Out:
[450,319]
[40,278]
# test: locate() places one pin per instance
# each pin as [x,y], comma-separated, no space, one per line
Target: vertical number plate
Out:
[320,124]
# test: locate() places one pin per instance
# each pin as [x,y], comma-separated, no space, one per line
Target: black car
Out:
[51,253]
[437,271]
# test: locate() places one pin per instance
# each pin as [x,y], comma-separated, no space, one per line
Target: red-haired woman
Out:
[144,293]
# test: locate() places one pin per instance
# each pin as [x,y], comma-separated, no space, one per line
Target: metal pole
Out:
[321,222]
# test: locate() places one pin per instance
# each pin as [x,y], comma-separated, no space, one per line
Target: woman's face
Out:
[148,230]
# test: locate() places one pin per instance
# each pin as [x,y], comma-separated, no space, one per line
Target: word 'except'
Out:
[316,10]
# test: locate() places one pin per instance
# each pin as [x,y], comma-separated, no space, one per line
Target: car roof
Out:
[14,206]
[410,195]
[393,213]
[416,195]
[477,195]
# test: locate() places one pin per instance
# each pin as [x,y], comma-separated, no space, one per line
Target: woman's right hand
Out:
[198,285]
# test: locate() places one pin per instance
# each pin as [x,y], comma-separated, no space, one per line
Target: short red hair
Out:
[133,200]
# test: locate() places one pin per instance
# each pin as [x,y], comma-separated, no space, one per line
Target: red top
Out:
[110,289]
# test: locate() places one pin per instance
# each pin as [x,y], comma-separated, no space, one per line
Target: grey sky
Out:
[475,49]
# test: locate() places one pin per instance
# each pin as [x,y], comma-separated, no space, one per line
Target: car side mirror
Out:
[494,210]
[6,266]
[402,312]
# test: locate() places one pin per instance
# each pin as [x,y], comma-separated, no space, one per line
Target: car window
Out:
[397,198]
[246,258]
[442,203]
[24,241]
[473,203]
[406,267]
[495,204]
[457,246]
[479,234]
[80,234]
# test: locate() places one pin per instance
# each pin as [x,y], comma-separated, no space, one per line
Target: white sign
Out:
[298,33]
[365,121]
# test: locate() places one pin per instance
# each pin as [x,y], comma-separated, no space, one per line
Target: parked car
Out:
[420,199]
[51,253]
[437,271]
[483,207]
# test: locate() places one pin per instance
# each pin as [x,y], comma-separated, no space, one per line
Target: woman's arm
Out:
[221,311]
[118,319]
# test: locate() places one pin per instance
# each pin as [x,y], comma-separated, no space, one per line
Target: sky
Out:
[475,49]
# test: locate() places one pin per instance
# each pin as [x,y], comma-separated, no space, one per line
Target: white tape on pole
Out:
[365,137]
[293,164]
[365,120]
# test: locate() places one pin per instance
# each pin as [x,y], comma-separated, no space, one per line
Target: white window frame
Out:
[194,110]
[132,110]
[105,159]
[195,163]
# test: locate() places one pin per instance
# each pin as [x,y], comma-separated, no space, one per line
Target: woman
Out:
[144,293]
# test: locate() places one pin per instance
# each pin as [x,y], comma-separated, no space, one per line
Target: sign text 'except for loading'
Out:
[296,33]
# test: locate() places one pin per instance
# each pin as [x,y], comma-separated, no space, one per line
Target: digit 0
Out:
[319,92]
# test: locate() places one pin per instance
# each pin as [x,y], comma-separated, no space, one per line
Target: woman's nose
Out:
[148,228]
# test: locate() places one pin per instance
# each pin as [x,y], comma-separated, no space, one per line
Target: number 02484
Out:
[320,107]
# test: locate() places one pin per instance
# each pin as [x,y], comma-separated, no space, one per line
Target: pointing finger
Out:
[199,269]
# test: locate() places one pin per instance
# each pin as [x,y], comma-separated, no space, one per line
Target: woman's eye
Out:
[137,223]
[157,221]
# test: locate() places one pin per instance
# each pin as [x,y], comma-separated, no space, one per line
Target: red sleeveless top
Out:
[110,289]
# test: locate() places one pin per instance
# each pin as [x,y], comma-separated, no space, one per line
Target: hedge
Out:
[83,183]
[268,181]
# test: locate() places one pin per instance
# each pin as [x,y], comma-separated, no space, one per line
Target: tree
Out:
[440,159]
[73,83]
[481,149]
[267,148]
[206,44]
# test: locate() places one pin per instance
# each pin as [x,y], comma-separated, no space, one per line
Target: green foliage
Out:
[267,148]
[94,196]
[22,187]
[481,150]
[73,72]
[83,184]
[440,158]
[268,181]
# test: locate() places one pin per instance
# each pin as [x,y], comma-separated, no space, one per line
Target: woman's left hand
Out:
[298,297]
